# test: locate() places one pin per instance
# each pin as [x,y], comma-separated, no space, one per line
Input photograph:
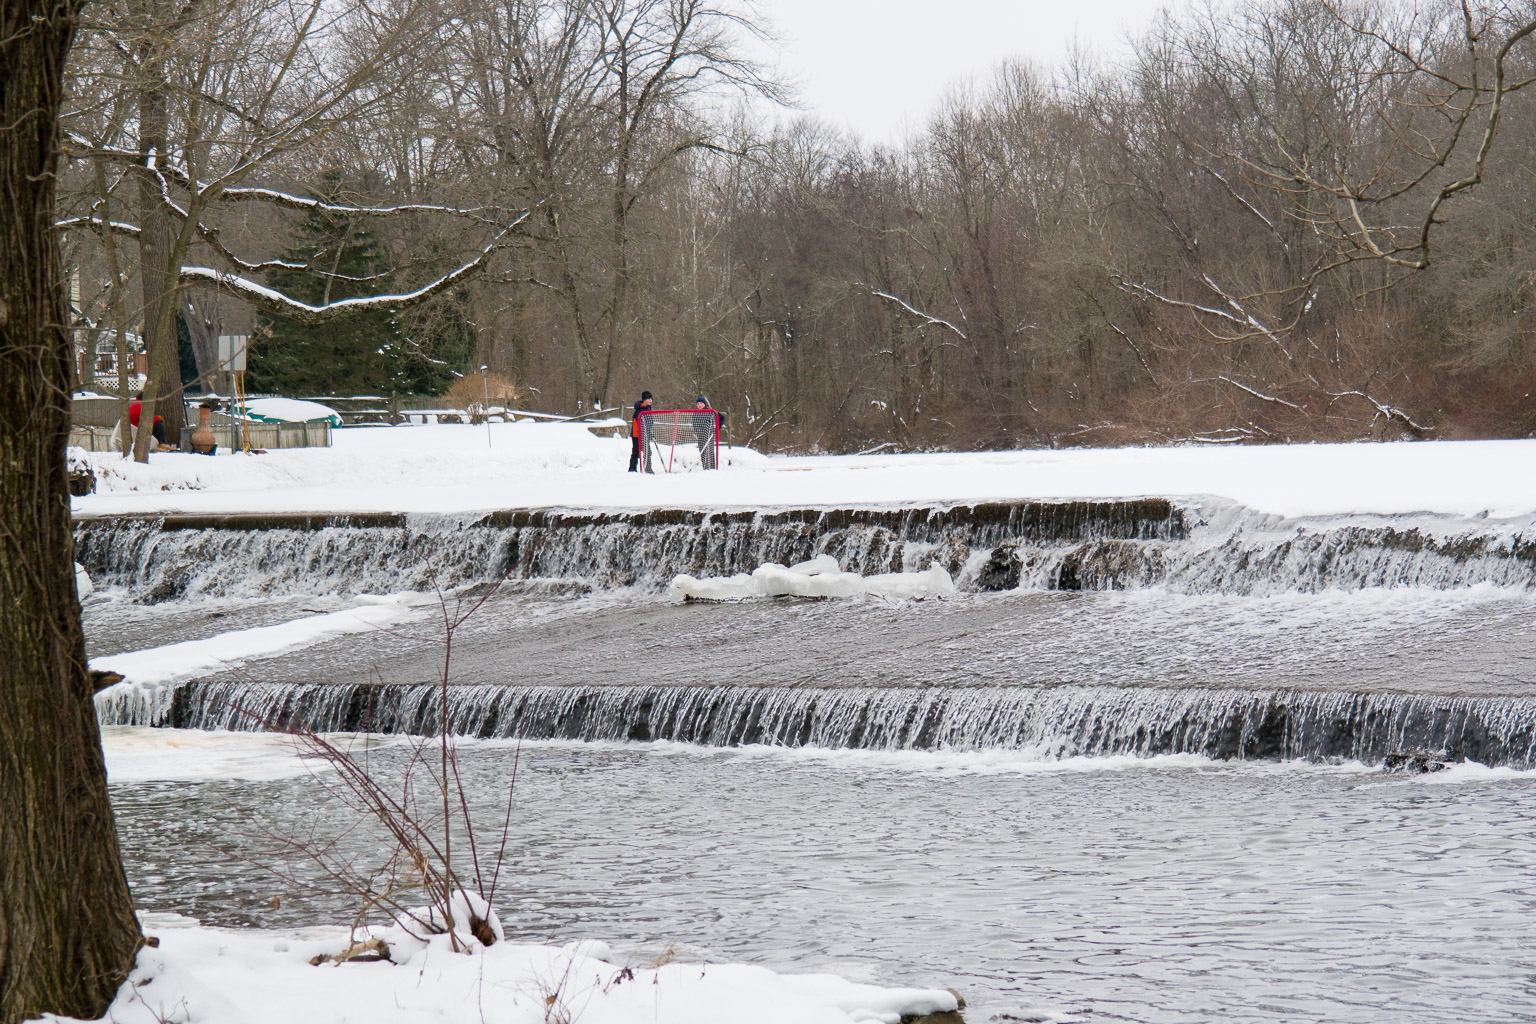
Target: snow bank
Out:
[437,468]
[822,576]
[214,976]
[147,673]
[423,930]
[457,468]
[191,657]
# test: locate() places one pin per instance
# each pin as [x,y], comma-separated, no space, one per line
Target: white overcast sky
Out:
[878,67]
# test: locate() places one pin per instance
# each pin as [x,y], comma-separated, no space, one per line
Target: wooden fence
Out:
[266,436]
[94,418]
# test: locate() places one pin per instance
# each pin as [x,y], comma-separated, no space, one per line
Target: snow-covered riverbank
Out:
[229,976]
[526,465]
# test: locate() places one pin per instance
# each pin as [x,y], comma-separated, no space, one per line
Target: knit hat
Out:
[644,395]
[701,398]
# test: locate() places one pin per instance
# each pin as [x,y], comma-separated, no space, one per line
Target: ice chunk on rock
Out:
[816,566]
[826,581]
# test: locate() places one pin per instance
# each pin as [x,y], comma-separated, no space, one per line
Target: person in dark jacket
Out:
[644,405]
[706,424]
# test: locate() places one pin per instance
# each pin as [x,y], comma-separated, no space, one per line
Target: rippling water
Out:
[1099,890]
[1479,641]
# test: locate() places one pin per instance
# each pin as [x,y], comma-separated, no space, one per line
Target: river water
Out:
[1004,793]
[1470,641]
[1110,889]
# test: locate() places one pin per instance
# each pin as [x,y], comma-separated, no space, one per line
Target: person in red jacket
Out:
[136,409]
[644,405]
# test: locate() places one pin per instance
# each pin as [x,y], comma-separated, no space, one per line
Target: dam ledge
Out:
[1049,722]
[173,518]
[1191,544]
[1208,510]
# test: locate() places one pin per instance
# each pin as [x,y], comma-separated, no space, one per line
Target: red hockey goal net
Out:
[679,440]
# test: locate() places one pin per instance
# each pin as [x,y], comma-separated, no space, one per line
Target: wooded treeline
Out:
[1284,220]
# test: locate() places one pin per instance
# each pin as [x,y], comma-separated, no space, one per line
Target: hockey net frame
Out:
[663,432]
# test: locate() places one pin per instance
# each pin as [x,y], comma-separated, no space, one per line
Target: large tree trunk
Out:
[67,931]
[203,330]
[159,262]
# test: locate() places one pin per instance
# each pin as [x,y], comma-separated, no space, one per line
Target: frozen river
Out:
[1110,889]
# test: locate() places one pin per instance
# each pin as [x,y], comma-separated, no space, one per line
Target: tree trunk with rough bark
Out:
[203,330]
[67,930]
[159,261]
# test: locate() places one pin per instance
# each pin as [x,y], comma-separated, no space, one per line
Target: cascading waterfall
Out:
[1053,722]
[159,559]
[1210,548]
[1192,547]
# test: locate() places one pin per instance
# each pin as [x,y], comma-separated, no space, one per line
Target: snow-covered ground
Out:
[448,468]
[224,976]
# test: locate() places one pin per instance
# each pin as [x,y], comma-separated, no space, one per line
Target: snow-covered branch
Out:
[1147,292]
[1246,324]
[1248,317]
[167,166]
[300,203]
[117,227]
[1391,413]
[1256,394]
[1235,194]
[274,301]
[927,318]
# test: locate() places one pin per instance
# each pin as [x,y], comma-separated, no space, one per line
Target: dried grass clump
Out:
[468,393]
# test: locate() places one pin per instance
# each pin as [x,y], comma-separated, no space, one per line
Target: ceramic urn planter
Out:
[202,438]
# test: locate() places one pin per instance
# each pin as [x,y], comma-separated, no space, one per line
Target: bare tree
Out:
[1436,83]
[221,98]
[579,108]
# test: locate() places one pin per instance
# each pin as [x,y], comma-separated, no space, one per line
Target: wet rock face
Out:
[1068,575]
[171,583]
[1094,565]
[1002,570]
[1413,762]
[1108,565]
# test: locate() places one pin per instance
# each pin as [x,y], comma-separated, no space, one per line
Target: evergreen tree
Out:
[353,355]
[440,345]
[188,358]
